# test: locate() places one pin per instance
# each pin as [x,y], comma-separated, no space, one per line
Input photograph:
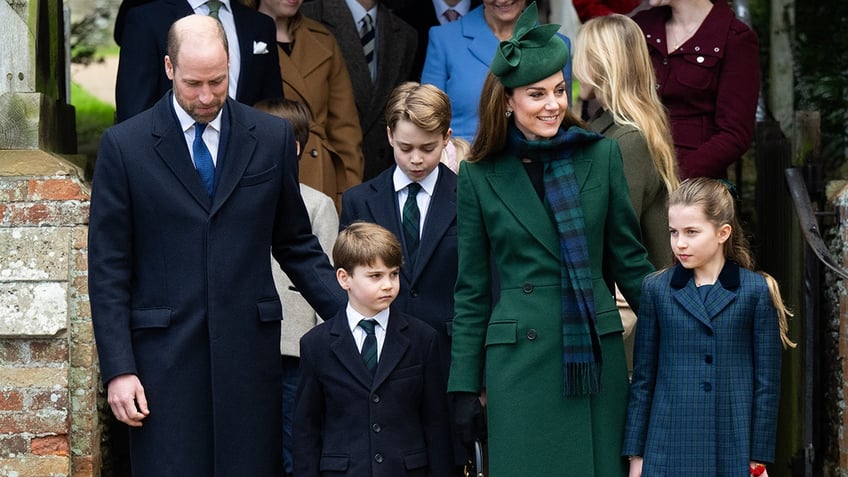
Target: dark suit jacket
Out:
[348,424]
[141,68]
[421,15]
[711,365]
[181,287]
[396,43]
[426,291]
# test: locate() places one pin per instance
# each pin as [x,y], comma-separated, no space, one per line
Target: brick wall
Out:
[48,374]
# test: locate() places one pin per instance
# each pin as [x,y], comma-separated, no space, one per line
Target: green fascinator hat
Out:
[532,54]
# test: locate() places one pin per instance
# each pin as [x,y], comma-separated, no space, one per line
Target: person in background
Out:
[299,316]
[187,200]
[254,72]
[371,400]
[459,54]
[316,75]
[589,9]
[708,77]
[708,348]
[379,57]
[612,64]
[424,15]
[543,204]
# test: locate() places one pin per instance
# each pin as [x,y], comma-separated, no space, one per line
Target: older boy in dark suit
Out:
[371,400]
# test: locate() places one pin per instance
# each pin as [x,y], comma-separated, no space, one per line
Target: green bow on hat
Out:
[533,53]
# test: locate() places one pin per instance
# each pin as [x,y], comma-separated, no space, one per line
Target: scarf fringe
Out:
[581,379]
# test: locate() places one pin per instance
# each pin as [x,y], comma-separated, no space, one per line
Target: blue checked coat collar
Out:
[723,293]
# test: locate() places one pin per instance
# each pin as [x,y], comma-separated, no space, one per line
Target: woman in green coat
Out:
[543,205]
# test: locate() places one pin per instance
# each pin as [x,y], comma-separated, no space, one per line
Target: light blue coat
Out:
[457,62]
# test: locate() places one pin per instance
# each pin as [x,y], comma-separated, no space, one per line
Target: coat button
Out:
[376,427]
[531,334]
[375,398]
[708,359]
[708,387]
[313,153]
[699,59]
[413,293]
[528,288]
[378,458]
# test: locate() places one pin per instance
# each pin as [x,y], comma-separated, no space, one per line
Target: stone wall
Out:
[48,373]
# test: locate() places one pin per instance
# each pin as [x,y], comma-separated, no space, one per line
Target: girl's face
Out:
[417,152]
[504,11]
[696,242]
[278,9]
[539,108]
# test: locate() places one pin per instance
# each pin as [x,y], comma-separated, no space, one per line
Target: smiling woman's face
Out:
[504,11]
[539,108]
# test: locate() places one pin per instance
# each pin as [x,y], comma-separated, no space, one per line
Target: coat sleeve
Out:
[767,357]
[736,107]
[473,290]
[343,129]
[308,415]
[295,247]
[435,62]
[625,258]
[645,361]
[110,240]
[140,66]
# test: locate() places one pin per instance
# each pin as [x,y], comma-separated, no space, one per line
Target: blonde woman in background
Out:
[612,64]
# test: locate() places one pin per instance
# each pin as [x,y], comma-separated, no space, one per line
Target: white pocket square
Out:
[260,48]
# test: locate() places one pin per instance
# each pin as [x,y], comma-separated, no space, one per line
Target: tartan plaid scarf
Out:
[581,347]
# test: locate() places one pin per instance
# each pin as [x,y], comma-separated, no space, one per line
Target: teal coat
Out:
[515,346]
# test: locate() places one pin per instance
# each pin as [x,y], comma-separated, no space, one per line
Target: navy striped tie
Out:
[367,37]
[369,346]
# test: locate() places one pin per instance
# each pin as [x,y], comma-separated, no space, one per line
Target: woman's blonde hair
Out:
[492,129]
[717,203]
[424,105]
[610,55]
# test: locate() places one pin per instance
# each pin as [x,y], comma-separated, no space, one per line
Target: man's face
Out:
[200,78]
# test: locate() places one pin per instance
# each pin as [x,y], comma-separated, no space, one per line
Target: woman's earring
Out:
[508,113]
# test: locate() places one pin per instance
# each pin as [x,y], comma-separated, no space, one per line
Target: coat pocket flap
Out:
[334,463]
[270,310]
[415,460]
[150,318]
[259,178]
[609,322]
[502,332]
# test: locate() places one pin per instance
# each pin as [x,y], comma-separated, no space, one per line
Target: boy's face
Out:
[417,152]
[370,288]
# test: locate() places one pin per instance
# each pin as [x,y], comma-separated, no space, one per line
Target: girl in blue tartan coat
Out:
[706,382]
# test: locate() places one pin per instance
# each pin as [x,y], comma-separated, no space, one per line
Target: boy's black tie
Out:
[411,221]
[369,346]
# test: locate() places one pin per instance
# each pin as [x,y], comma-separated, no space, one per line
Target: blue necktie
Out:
[369,346]
[203,159]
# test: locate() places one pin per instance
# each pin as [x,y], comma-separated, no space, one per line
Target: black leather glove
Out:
[468,417]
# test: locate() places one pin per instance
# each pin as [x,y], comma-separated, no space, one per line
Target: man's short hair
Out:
[362,243]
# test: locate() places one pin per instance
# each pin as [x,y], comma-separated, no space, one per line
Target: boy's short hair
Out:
[424,105]
[362,243]
[296,112]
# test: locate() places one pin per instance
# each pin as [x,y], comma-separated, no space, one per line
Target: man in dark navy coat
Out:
[188,198]
[143,32]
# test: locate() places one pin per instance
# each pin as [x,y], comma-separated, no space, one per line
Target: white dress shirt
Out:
[211,135]
[428,187]
[382,319]
[225,14]
[441,7]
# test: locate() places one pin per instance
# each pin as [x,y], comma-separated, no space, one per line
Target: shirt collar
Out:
[354,317]
[187,122]
[358,12]
[428,183]
[196,3]
[441,7]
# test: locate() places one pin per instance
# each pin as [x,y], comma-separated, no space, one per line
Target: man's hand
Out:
[127,400]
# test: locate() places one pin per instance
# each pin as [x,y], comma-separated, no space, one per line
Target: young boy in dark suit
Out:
[371,399]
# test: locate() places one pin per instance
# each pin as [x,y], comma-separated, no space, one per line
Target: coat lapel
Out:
[236,153]
[308,54]
[482,43]
[344,348]
[386,211]
[394,347]
[440,215]
[722,294]
[172,149]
